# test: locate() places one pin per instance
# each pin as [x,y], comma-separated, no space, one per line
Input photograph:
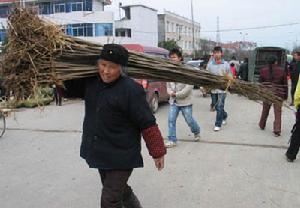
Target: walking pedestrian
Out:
[116,115]
[180,101]
[295,138]
[58,94]
[235,62]
[294,71]
[219,66]
[233,70]
[274,78]
[243,71]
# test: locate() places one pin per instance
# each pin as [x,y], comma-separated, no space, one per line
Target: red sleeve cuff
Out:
[154,141]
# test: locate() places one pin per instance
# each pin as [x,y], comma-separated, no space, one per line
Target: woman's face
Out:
[108,71]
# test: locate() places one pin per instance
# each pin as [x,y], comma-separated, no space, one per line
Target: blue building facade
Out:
[57,7]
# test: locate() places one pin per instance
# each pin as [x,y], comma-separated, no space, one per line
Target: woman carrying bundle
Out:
[274,78]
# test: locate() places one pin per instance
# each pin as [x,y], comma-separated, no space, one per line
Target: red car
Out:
[156,91]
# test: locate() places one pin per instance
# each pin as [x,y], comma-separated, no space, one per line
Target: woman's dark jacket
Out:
[115,115]
[275,79]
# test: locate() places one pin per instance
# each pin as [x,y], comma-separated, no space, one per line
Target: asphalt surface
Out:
[240,166]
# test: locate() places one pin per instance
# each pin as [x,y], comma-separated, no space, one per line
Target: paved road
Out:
[240,166]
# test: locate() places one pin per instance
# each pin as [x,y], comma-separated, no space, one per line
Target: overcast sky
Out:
[236,14]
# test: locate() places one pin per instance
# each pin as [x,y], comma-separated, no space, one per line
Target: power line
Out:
[186,33]
[252,28]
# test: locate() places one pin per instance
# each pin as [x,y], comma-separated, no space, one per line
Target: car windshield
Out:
[194,63]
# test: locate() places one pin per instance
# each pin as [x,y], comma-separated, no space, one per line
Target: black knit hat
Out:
[115,53]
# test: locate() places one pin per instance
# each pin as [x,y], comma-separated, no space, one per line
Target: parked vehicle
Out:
[197,64]
[156,91]
[258,60]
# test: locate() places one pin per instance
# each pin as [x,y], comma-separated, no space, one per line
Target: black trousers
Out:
[115,192]
[58,99]
[295,139]
[58,95]
[293,90]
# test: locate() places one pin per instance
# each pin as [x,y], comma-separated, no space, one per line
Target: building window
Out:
[172,27]
[65,6]
[103,29]
[59,8]
[45,8]
[88,30]
[180,29]
[77,6]
[78,29]
[4,11]
[2,35]
[127,13]
[121,32]
[88,5]
[84,30]
[168,26]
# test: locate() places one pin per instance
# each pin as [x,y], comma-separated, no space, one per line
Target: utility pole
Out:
[120,5]
[193,30]
[218,38]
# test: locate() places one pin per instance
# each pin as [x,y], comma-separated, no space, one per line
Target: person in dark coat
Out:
[293,149]
[243,72]
[294,71]
[274,78]
[116,115]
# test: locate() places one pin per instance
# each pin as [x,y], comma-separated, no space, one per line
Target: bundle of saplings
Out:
[39,53]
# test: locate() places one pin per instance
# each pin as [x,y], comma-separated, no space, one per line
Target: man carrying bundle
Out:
[295,138]
[219,66]
[116,114]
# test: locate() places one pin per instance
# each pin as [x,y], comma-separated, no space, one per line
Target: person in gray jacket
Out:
[180,101]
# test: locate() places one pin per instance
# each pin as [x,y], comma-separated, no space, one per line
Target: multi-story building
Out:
[172,26]
[240,46]
[81,18]
[138,25]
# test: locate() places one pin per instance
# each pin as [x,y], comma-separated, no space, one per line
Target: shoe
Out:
[224,122]
[197,137]
[170,144]
[131,202]
[276,134]
[288,159]
[217,128]
[212,109]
